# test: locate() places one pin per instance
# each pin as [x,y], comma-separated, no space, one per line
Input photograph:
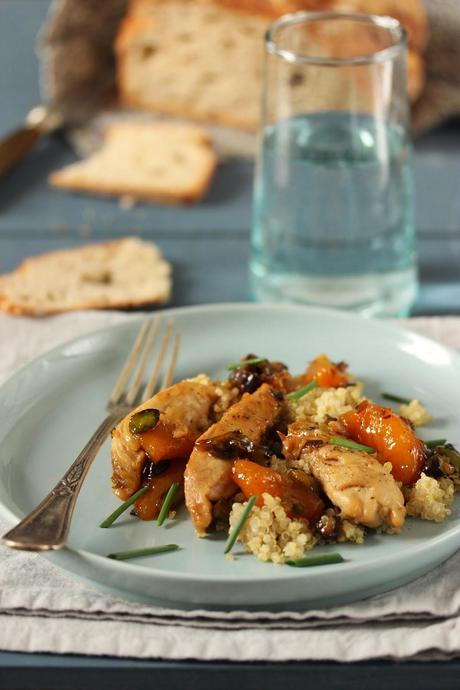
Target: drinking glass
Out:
[333,207]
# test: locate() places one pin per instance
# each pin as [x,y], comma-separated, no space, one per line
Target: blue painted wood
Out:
[19,23]
[27,202]
[204,271]
[208,270]
[83,673]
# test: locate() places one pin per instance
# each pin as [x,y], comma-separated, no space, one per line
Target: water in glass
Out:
[333,214]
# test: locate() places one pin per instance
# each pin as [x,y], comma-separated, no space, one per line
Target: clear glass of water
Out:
[333,208]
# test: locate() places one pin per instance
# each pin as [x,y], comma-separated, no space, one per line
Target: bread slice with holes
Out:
[122,274]
[202,59]
[196,59]
[153,161]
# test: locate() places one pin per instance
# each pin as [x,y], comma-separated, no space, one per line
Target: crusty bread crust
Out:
[105,189]
[155,272]
[15,309]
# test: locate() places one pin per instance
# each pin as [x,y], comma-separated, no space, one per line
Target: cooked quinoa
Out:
[322,403]
[416,413]
[270,534]
[351,532]
[227,395]
[430,498]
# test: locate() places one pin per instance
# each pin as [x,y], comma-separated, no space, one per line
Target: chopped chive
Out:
[124,506]
[310,561]
[243,362]
[346,443]
[436,442]
[237,529]
[395,398]
[296,395]
[167,503]
[136,553]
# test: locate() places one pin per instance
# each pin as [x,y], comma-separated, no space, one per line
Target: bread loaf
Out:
[203,58]
[154,161]
[122,274]
[194,59]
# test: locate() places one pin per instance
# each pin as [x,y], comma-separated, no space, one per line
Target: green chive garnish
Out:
[124,506]
[310,561]
[243,362]
[237,529]
[395,398]
[436,442]
[296,395]
[167,503]
[346,443]
[136,553]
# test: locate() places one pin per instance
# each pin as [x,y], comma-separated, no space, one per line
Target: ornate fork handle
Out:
[47,526]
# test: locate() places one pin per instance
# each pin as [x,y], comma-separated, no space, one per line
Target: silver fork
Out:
[47,526]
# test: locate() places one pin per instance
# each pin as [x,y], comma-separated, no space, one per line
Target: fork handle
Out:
[47,526]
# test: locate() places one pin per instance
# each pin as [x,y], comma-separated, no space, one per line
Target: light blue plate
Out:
[49,409]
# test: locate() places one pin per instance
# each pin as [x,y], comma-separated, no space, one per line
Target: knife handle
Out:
[40,121]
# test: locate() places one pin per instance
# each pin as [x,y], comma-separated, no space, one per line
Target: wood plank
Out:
[211,270]
[203,271]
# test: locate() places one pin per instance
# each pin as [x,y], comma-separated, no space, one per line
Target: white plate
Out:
[49,409]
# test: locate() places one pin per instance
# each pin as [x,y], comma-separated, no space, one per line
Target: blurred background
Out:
[75,66]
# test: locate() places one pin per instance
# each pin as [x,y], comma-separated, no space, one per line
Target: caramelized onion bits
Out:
[144,420]
[253,371]
[234,445]
[153,469]
[328,526]
[229,446]
[442,461]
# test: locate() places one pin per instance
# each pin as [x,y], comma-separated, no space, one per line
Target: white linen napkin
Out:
[44,609]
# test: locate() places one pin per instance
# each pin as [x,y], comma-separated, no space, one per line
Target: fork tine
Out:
[152,382]
[136,384]
[129,363]
[168,377]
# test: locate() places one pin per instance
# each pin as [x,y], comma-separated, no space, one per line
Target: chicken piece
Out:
[209,478]
[185,412]
[354,481]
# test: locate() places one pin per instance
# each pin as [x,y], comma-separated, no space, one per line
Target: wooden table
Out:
[208,246]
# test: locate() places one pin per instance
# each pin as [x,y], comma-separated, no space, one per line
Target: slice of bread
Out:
[203,59]
[195,59]
[122,274]
[153,161]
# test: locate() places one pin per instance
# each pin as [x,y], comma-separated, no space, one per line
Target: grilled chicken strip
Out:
[209,478]
[185,411]
[355,481]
